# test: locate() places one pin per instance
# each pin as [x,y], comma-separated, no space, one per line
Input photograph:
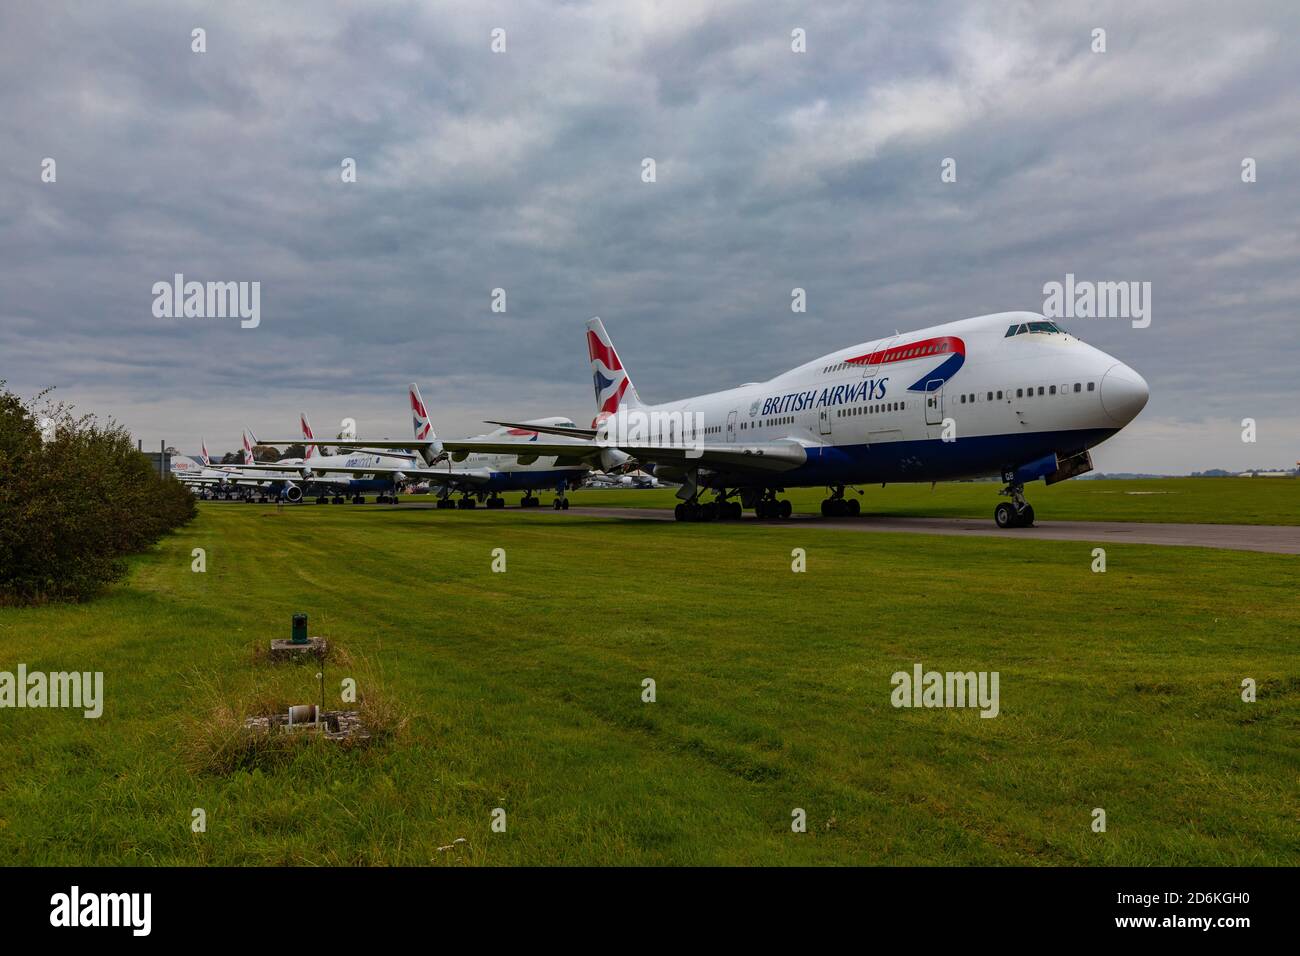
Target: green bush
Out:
[73,505]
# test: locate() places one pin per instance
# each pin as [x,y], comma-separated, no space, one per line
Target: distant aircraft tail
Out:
[308,437]
[420,420]
[249,442]
[207,462]
[614,388]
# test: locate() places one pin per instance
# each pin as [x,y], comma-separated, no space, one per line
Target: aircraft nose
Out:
[1124,393]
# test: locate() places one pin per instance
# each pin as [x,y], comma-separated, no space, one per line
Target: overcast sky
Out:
[522,170]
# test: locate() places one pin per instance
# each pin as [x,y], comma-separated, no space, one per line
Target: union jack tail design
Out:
[249,442]
[204,445]
[308,437]
[420,416]
[614,388]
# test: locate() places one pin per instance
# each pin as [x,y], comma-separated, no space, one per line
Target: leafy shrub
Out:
[74,503]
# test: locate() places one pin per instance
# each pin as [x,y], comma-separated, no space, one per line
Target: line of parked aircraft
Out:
[1010,395]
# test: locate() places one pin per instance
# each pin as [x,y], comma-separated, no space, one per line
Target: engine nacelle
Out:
[611,459]
[292,493]
[432,453]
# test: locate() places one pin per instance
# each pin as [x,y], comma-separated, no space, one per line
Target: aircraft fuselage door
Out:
[824,421]
[934,402]
[872,365]
[731,427]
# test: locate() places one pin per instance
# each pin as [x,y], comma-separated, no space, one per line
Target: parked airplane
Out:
[633,479]
[198,473]
[1011,395]
[324,475]
[476,477]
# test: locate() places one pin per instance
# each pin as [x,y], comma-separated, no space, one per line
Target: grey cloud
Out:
[522,171]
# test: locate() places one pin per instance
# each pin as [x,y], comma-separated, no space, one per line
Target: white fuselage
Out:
[963,399]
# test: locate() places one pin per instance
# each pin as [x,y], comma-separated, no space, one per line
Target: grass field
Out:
[1118,690]
[1193,500]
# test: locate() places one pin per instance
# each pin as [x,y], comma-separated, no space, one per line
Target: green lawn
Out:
[1118,690]
[1194,500]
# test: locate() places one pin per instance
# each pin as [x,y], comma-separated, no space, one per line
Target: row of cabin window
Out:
[870,409]
[769,422]
[1029,392]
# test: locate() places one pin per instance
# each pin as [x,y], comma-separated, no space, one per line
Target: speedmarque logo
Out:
[103,909]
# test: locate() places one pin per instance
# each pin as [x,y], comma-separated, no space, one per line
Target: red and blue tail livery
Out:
[420,415]
[611,381]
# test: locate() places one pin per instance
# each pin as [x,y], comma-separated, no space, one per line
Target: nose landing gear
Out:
[1016,513]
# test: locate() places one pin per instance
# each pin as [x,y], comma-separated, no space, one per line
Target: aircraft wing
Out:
[266,466]
[745,456]
[551,429]
[407,444]
[473,476]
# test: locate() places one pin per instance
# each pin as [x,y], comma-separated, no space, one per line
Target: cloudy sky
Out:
[521,170]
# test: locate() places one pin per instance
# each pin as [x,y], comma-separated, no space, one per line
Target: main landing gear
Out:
[467,503]
[769,506]
[495,501]
[561,503]
[445,502]
[1016,513]
[837,506]
[719,509]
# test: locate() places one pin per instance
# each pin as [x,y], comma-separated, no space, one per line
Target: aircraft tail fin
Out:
[420,420]
[249,442]
[614,388]
[308,437]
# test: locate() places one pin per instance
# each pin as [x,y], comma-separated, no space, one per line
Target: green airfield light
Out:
[299,629]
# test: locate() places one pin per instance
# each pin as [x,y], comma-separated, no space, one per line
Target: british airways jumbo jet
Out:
[1011,395]
[456,469]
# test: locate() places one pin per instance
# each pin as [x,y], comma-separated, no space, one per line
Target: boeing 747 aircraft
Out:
[476,477]
[1012,395]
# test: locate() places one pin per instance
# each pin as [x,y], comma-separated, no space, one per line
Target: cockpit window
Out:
[1034,327]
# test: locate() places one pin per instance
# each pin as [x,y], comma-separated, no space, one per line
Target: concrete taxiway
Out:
[1271,539]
